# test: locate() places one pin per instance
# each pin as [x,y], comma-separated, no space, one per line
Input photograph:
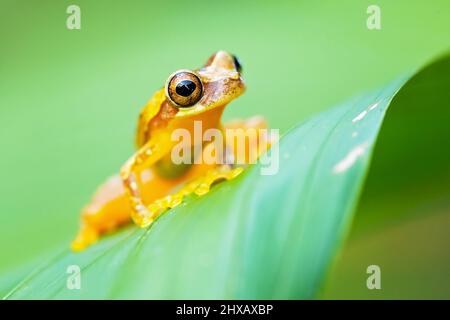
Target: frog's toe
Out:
[146,216]
[143,217]
[216,176]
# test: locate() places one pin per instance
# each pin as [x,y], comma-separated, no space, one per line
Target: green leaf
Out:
[403,220]
[256,237]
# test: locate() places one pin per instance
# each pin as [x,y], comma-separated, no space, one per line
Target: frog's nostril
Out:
[237,64]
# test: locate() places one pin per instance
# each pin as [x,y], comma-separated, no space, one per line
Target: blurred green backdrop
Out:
[69,99]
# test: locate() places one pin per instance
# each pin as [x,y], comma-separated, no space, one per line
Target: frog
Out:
[149,183]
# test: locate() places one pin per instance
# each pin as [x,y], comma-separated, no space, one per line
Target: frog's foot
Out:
[214,176]
[108,209]
[200,186]
[85,237]
[144,216]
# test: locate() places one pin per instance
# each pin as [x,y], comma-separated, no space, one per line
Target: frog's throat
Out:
[196,109]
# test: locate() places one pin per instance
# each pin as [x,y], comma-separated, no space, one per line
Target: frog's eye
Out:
[184,89]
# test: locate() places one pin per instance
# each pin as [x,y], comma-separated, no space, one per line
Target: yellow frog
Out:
[145,187]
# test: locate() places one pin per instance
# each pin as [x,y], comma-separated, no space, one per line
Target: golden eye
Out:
[184,89]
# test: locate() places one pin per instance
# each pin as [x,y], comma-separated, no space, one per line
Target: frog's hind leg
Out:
[255,135]
[110,207]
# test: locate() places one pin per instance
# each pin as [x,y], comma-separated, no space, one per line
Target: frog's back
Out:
[153,114]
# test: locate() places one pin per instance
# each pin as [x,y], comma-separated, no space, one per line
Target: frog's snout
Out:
[226,60]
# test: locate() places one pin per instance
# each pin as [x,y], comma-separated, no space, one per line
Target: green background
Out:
[69,99]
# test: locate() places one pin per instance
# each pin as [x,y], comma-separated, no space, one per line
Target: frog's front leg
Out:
[130,173]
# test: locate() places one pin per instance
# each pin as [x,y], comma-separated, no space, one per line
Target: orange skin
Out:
[143,189]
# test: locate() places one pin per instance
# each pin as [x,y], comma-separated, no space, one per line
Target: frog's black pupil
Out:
[185,88]
[237,64]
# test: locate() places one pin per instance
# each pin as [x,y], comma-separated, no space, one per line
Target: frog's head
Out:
[217,83]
